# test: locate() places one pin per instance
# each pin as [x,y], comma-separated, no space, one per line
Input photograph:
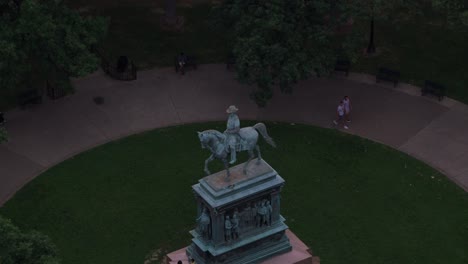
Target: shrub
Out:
[25,248]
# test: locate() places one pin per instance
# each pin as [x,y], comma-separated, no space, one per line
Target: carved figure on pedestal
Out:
[247,216]
[262,211]
[204,224]
[269,212]
[235,225]
[234,139]
[258,217]
[227,229]
[253,213]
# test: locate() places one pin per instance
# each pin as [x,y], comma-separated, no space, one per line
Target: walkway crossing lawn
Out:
[349,199]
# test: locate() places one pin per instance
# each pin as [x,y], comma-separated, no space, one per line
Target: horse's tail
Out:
[260,127]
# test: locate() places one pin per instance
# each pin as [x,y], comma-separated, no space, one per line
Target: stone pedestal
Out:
[300,254]
[239,217]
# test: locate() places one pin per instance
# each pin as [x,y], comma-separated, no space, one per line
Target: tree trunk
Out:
[170,15]
[371,46]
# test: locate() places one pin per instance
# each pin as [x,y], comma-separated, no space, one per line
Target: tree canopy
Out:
[455,12]
[45,36]
[25,248]
[279,42]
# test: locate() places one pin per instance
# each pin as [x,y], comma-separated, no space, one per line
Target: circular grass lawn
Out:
[349,199]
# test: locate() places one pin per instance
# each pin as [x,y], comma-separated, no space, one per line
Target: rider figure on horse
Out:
[232,132]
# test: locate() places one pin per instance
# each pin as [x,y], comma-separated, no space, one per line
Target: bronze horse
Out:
[215,141]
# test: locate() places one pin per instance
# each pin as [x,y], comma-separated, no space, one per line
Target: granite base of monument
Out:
[238,217]
[300,254]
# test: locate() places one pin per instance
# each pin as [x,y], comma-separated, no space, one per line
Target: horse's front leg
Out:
[226,166]
[208,160]
[259,155]
[251,157]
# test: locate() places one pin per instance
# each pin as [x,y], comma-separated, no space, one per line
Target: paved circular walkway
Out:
[47,134]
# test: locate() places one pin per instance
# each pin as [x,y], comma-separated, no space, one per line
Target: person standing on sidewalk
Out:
[347,108]
[340,110]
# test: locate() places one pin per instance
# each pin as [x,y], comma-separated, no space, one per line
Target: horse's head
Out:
[203,139]
[210,137]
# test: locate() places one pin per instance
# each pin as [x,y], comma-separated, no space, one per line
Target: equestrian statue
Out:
[233,140]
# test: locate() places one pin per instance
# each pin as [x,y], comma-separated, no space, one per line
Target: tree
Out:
[42,37]
[25,248]
[170,6]
[278,42]
[170,20]
[455,12]
[372,10]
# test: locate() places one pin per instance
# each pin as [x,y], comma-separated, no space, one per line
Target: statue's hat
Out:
[231,109]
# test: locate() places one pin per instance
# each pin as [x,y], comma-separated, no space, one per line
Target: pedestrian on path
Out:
[182,60]
[347,108]
[340,111]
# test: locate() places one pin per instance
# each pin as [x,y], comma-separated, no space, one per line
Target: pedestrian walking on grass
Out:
[347,108]
[340,111]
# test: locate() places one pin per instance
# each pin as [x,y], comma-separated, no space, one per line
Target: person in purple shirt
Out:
[340,111]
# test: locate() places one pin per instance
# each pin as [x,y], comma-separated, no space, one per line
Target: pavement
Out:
[42,136]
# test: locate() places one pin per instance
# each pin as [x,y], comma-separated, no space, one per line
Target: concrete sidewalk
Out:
[45,135]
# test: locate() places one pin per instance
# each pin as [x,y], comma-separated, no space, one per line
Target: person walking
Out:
[340,110]
[182,60]
[347,108]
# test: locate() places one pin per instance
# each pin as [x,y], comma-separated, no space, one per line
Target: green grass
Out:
[349,199]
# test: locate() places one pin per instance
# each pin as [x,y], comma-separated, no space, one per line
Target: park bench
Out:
[388,75]
[122,64]
[434,89]
[55,92]
[343,65]
[230,61]
[123,70]
[190,62]
[29,97]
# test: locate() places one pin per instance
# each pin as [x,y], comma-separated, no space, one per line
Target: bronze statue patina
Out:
[232,132]
[204,224]
[234,139]
[227,228]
